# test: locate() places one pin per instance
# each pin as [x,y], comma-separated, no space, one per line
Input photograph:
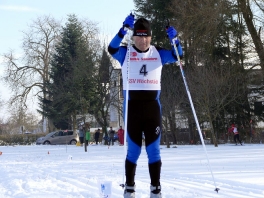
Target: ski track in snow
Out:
[68,171]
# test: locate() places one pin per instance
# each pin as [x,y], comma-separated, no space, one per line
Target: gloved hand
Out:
[172,33]
[129,21]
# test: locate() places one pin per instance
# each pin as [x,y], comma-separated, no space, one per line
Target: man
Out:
[120,134]
[96,136]
[144,109]
[81,135]
[87,135]
[111,134]
[236,134]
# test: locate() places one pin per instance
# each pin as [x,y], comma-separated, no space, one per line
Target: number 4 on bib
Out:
[143,70]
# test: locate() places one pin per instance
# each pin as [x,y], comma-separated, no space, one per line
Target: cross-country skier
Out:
[236,134]
[144,109]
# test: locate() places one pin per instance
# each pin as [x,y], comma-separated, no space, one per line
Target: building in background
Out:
[116,95]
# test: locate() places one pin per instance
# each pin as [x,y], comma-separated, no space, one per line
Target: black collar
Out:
[139,51]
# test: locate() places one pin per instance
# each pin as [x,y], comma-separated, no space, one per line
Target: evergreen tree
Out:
[71,75]
[158,12]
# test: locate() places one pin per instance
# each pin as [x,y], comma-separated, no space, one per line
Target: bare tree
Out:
[172,97]
[214,88]
[90,34]
[20,119]
[29,74]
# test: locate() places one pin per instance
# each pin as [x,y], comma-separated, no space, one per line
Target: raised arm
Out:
[118,52]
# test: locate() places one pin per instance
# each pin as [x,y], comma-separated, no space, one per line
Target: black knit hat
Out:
[142,27]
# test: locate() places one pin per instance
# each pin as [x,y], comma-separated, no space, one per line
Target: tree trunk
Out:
[74,125]
[244,6]
[212,132]
[165,126]
[51,126]
[172,124]
[167,140]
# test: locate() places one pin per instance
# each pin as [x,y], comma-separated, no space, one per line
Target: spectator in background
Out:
[96,136]
[81,135]
[111,134]
[87,135]
[204,134]
[120,134]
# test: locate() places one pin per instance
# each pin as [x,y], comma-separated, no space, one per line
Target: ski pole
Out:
[126,102]
[192,106]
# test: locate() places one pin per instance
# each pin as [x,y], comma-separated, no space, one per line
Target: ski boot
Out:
[155,191]
[129,191]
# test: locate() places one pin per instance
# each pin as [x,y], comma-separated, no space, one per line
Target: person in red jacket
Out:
[120,134]
[236,134]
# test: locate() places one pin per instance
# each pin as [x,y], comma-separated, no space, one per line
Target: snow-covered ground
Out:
[68,171]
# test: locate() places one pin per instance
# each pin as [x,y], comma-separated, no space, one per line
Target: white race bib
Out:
[144,70]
